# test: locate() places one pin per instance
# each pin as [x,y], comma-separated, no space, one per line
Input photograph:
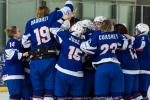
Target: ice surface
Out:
[4,96]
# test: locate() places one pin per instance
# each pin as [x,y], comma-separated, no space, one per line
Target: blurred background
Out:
[128,12]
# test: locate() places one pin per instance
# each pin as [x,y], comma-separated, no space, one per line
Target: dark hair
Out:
[11,31]
[121,29]
[57,8]
[107,26]
[42,11]
[73,21]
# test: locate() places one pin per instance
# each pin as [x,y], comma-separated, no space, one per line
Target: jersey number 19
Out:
[42,35]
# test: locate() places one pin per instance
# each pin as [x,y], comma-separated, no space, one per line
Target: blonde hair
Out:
[10,31]
[107,26]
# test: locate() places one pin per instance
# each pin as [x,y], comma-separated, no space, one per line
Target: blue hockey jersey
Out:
[142,46]
[87,34]
[37,29]
[70,59]
[13,68]
[88,58]
[128,59]
[104,46]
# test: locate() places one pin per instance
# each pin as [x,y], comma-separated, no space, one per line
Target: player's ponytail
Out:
[11,31]
[42,11]
[107,26]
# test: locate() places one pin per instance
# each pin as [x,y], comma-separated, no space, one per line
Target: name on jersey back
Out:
[74,40]
[39,20]
[108,36]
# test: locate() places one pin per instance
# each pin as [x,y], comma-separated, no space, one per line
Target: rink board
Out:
[3,89]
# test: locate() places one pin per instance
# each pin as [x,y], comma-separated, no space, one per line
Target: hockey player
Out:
[27,85]
[98,22]
[43,50]
[13,70]
[89,27]
[142,46]
[69,76]
[130,67]
[108,77]
[89,71]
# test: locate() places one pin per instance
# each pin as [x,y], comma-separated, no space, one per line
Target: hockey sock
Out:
[118,98]
[137,96]
[48,98]
[37,98]
[15,97]
[148,93]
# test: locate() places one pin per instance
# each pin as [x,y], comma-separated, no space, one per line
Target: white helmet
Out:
[77,29]
[142,28]
[99,19]
[88,24]
[66,25]
[68,2]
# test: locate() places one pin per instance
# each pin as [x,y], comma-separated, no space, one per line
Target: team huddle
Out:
[62,57]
